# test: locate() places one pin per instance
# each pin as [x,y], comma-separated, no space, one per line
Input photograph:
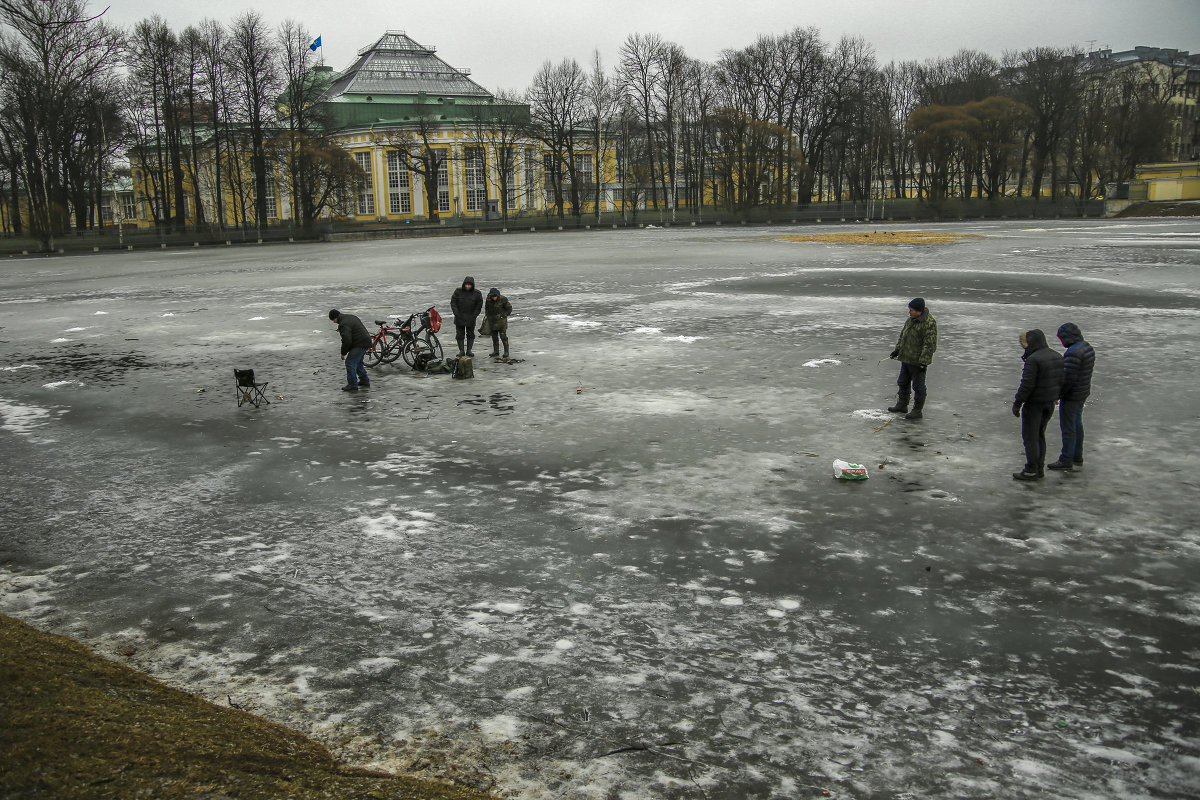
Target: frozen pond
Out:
[653,587]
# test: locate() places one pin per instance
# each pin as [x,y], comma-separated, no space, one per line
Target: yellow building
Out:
[430,143]
[1168,181]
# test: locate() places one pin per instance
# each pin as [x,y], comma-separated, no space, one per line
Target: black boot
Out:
[459,339]
[901,405]
[505,347]
[918,404]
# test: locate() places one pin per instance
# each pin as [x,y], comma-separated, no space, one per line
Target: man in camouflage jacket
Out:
[914,351]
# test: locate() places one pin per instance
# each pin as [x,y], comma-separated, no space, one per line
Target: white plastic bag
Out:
[846,471]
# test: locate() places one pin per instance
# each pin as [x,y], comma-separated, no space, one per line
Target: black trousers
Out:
[912,375]
[467,331]
[1034,419]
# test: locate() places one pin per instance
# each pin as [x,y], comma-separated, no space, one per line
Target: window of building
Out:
[443,184]
[272,202]
[399,184]
[474,177]
[530,181]
[548,176]
[509,157]
[366,191]
[583,169]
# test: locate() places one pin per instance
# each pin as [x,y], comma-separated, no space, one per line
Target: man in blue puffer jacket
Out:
[1078,361]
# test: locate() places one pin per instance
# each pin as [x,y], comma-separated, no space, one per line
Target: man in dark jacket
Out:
[355,343]
[466,303]
[496,310]
[1041,385]
[1078,361]
[914,351]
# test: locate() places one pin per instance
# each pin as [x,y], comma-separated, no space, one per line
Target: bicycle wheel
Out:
[394,345]
[374,353]
[409,351]
[434,347]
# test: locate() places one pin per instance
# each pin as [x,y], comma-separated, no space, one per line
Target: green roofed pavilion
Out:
[396,80]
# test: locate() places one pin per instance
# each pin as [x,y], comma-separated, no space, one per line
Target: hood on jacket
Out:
[467,280]
[1034,340]
[1069,334]
[493,292]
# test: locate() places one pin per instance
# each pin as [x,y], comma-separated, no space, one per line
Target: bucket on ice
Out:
[846,471]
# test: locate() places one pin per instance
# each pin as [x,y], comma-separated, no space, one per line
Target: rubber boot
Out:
[505,340]
[918,404]
[459,339]
[901,405]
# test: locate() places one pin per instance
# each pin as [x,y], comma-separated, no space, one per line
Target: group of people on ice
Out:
[467,303]
[1048,378]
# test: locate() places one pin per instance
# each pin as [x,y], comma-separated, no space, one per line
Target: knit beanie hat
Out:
[917,303]
[334,314]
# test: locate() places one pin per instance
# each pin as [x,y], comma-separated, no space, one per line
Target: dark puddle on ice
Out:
[501,404]
[80,362]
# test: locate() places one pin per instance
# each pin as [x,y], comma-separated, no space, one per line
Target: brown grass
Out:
[884,237]
[74,725]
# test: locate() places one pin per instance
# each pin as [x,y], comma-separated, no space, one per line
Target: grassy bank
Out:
[74,725]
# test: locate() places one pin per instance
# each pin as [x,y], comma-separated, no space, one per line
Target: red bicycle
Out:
[386,344]
[409,339]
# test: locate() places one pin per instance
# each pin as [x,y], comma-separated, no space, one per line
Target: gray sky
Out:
[504,43]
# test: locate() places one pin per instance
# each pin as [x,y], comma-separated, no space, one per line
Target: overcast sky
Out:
[504,43]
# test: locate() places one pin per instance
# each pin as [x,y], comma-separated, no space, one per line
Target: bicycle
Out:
[421,342]
[386,344]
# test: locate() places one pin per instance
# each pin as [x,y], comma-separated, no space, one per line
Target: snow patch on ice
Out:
[19,366]
[500,727]
[22,419]
[256,319]
[821,362]
[873,414]
[571,320]
[59,340]
[58,384]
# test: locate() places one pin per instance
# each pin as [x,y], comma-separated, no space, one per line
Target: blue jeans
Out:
[1070,420]
[356,373]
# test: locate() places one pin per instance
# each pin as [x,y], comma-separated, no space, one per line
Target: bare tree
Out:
[316,168]
[213,84]
[557,107]
[499,127]
[601,96]
[51,61]
[253,66]
[414,143]
[1048,81]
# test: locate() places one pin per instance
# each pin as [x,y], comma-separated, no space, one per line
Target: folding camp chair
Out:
[247,390]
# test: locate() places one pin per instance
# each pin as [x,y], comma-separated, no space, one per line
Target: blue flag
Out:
[316,43]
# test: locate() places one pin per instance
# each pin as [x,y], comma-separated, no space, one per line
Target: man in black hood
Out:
[1078,361]
[1041,385]
[466,303]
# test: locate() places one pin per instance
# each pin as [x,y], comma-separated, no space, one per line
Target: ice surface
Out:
[527,579]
